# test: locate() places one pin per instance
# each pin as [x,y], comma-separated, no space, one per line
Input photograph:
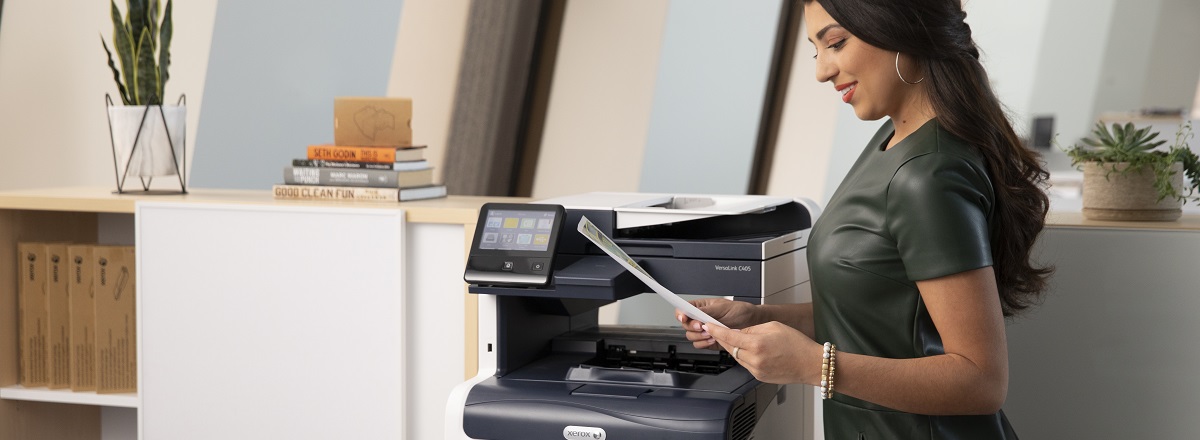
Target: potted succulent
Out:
[146,134]
[1126,178]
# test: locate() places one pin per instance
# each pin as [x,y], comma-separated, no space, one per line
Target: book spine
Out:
[422,192]
[339,177]
[305,192]
[342,164]
[352,153]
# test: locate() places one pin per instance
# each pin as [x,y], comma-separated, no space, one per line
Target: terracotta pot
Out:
[1109,194]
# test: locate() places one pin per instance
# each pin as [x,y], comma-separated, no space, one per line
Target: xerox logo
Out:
[583,433]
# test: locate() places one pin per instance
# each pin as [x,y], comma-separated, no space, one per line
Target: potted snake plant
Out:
[1125,176]
[146,141]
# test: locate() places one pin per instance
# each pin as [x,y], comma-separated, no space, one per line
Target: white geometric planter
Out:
[1109,194]
[148,142]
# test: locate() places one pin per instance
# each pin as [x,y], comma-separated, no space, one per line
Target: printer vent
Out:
[743,422]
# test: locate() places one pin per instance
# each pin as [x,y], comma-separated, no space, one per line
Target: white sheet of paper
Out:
[594,234]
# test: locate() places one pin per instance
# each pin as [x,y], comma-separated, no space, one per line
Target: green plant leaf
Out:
[116,74]
[1131,134]
[164,50]
[152,21]
[1139,143]
[1141,136]
[1118,135]
[123,44]
[1144,135]
[147,78]
[1102,135]
[1149,147]
[135,18]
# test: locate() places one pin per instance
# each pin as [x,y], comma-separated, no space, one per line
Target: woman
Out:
[923,249]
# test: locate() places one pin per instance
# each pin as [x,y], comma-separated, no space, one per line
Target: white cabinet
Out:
[271,322]
[1112,351]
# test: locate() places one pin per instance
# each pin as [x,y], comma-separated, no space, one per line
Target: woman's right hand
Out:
[735,314]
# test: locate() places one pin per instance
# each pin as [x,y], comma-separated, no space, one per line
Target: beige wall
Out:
[56,134]
[425,68]
[600,98]
[806,130]
[1196,103]
[53,77]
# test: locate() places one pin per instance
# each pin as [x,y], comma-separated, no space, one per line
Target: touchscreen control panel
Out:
[514,244]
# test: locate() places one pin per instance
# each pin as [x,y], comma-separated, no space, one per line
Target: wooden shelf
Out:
[17,392]
[453,210]
[1067,219]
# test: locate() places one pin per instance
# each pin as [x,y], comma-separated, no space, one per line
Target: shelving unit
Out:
[17,392]
[439,229]
[45,415]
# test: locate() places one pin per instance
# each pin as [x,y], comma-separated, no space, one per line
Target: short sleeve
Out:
[938,206]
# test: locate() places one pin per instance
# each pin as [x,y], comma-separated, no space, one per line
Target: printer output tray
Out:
[544,397]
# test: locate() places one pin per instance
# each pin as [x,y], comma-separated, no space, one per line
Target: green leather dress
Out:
[917,211]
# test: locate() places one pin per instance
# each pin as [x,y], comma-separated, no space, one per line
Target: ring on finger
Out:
[735,352]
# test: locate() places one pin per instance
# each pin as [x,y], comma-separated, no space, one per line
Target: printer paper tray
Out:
[502,409]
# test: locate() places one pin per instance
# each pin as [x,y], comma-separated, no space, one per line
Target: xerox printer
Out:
[550,370]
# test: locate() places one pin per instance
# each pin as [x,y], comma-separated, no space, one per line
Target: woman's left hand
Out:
[772,352]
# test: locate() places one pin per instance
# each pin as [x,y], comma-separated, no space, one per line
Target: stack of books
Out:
[356,167]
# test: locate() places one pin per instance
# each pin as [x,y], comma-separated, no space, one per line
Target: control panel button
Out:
[537,266]
[508,266]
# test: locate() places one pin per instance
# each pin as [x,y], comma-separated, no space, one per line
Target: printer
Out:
[548,369]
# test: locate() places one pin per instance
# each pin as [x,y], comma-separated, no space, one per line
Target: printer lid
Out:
[639,209]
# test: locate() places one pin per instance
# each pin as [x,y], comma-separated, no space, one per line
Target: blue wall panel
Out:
[273,72]
[708,96]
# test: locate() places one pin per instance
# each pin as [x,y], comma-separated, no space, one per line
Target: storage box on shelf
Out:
[40,412]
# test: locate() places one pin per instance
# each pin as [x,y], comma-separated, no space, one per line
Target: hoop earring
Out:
[902,76]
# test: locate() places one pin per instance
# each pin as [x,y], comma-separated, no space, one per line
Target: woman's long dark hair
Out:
[935,33]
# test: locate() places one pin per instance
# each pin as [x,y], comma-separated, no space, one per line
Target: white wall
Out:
[53,77]
[1008,34]
[1069,64]
[1123,73]
[1174,56]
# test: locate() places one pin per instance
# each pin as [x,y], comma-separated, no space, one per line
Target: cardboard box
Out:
[58,322]
[83,318]
[365,121]
[31,285]
[116,333]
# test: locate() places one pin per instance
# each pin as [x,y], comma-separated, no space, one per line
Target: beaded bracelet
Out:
[828,369]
